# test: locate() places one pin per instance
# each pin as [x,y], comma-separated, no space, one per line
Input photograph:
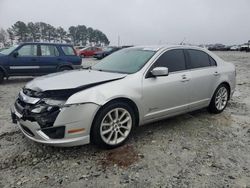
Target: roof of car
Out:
[159,47]
[47,43]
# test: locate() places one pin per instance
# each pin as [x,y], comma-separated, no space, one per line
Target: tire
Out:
[219,100]
[64,69]
[82,56]
[1,76]
[107,120]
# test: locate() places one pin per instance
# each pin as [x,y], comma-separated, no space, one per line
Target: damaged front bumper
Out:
[71,126]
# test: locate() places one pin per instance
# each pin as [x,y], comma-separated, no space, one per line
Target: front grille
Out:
[20,106]
[44,119]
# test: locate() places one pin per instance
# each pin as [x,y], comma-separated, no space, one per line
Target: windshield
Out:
[8,51]
[127,61]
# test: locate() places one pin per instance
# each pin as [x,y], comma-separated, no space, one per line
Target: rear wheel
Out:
[64,69]
[1,76]
[113,125]
[219,100]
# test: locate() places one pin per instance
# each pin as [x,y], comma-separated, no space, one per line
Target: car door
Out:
[203,74]
[49,58]
[68,56]
[87,52]
[24,60]
[166,95]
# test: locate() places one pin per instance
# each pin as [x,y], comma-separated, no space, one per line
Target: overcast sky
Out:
[141,22]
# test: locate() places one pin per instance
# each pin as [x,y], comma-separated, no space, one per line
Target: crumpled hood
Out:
[71,80]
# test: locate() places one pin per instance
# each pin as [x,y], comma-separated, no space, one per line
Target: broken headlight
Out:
[54,102]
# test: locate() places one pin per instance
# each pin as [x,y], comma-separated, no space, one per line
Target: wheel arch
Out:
[130,102]
[64,65]
[228,87]
[4,71]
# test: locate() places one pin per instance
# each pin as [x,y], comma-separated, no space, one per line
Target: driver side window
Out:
[28,50]
[174,60]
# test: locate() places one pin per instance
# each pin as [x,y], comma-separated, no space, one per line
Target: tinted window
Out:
[68,50]
[49,50]
[28,50]
[174,60]
[198,59]
[212,61]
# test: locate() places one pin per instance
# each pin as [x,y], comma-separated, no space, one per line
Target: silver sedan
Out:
[132,87]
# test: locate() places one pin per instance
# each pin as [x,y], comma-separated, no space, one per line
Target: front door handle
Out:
[184,78]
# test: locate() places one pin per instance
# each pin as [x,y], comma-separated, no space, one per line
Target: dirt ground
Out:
[192,150]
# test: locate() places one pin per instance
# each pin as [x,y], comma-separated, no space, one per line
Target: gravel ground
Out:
[192,150]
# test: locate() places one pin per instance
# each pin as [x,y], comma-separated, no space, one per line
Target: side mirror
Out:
[159,71]
[15,54]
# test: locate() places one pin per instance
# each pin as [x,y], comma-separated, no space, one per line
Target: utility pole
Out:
[118,40]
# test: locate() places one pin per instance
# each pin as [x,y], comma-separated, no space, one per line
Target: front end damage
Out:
[44,117]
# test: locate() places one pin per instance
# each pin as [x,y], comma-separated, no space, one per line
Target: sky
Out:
[141,22]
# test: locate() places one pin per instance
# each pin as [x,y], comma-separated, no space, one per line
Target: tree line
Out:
[43,32]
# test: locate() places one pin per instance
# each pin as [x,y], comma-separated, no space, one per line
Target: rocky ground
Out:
[192,150]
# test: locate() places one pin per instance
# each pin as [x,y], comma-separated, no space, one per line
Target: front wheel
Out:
[219,100]
[113,125]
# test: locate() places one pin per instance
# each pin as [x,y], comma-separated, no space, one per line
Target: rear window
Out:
[198,59]
[49,50]
[68,50]
[212,61]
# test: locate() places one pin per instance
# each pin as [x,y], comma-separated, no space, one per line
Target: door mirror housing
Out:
[15,54]
[159,71]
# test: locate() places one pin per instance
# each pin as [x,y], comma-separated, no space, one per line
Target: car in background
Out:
[129,88]
[32,59]
[235,48]
[105,52]
[78,48]
[88,51]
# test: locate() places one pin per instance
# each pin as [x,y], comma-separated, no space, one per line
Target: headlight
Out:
[49,105]
[53,102]
[39,109]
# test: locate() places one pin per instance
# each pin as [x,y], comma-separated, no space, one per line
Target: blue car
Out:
[33,59]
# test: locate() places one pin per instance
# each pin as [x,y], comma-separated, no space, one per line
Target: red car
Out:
[89,51]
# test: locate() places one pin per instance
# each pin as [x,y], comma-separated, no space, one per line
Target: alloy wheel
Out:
[221,98]
[116,126]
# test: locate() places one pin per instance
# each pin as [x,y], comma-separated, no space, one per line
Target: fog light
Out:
[55,132]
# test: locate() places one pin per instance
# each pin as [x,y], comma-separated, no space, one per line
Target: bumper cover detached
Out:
[75,117]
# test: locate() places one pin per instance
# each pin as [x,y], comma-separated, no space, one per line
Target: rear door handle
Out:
[216,73]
